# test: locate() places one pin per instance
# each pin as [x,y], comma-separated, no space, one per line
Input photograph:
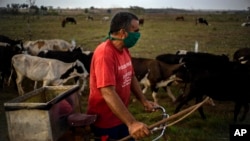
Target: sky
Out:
[182,4]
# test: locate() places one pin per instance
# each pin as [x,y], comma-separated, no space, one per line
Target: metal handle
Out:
[162,126]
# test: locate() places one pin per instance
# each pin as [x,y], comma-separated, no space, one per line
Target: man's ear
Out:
[123,33]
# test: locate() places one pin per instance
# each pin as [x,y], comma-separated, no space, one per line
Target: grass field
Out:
[160,34]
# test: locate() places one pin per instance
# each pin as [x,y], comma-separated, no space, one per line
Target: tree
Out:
[137,9]
[34,9]
[31,2]
[24,5]
[43,9]
[86,10]
[109,11]
[14,8]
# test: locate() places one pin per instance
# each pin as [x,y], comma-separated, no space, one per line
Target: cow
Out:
[141,21]
[242,55]
[90,18]
[34,47]
[197,64]
[6,53]
[50,71]
[106,18]
[245,24]
[179,18]
[69,56]
[230,81]
[201,21]
[68,20]
[8,48]
[214,76]
[4,40]
[154,74]
[63,23]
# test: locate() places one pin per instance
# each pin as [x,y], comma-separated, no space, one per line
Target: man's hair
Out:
[121,20]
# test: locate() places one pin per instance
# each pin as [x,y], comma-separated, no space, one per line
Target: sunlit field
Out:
[161,33]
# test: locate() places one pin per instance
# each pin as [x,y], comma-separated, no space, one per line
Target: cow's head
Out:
[76,71]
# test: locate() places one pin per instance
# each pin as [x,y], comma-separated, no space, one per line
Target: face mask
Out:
[131,40]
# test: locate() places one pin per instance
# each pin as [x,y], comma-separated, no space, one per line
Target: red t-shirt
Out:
[109,67]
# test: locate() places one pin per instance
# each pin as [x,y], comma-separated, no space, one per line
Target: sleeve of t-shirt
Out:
[105,71]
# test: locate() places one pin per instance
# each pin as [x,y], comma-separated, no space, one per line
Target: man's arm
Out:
[136,129]
[136,90]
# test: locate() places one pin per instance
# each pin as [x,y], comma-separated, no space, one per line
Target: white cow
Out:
[245,24]
[34,47]
[50,71]
[105,19]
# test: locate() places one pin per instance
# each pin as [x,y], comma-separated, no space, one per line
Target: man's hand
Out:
[138,130]
[150,106]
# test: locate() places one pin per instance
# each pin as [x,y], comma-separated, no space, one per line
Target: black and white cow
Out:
[69,56]
[155,74]
[201,21]
[242,55]
[214,76]
[245,24]
[196,65]
[50,71]
[8,48]
[70,20]
[229,81]
[4,40]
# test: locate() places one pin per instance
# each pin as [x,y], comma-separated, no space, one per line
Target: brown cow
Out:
[141,21]
[155,74]
[179,18]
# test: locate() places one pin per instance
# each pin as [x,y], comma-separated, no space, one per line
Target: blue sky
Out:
[183,4]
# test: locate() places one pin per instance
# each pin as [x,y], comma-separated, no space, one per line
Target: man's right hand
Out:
[138,130]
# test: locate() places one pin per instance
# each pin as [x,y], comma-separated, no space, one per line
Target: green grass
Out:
[160,34]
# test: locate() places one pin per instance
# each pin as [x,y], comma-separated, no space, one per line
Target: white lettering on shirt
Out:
[124,66]
[127,75]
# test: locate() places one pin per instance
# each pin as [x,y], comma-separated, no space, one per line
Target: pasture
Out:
[161,33]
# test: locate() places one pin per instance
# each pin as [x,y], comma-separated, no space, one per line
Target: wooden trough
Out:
[41,115]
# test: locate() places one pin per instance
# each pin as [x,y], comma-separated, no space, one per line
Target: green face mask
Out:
[131,40]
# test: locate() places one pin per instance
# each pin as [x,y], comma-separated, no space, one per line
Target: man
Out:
[111,81]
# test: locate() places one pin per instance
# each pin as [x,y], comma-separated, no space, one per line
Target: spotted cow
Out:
[50,71]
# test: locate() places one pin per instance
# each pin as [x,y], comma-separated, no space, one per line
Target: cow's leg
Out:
[145,82]
[19,80]
[77,80]
[154,93]
[170,94]
[246,109]
[35,85]
[145,88]
[46,83]
[199,99]
[1,80]
[237,108]
[83,84]
[183,99]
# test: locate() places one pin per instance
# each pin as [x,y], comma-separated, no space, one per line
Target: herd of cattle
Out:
[201,74]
